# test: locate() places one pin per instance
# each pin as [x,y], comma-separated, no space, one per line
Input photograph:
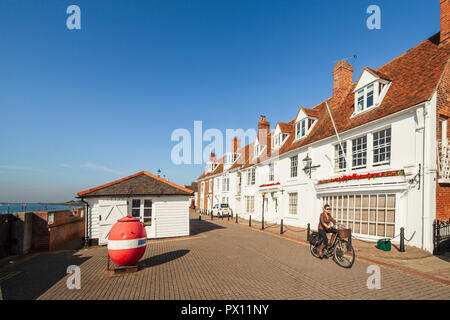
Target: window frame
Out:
[362,151]
[291,204]
[292,167]
[385,145]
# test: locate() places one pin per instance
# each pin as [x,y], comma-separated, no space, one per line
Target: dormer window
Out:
[277,140]
[211,166]
[230,157]
[365,98]
[370,90]
[258,149]
[303,127]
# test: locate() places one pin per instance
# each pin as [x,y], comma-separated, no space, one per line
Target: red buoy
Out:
[127,241]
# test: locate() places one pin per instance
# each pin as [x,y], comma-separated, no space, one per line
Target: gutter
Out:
[86,237]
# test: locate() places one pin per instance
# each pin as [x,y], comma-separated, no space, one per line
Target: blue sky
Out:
[80,108]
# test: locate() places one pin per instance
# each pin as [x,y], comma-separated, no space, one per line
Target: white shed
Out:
[161,205]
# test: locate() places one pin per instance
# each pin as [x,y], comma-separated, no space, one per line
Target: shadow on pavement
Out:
[197,227]
[162,258]
[37,275]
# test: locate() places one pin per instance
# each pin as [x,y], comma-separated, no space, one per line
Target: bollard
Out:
[402,239]
[211,216]
[237,218]
[308,233]
[250,221]
[350,236]
[199,217]
[281,228]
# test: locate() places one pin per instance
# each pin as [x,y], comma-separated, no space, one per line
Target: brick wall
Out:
[66,226]
[443,110]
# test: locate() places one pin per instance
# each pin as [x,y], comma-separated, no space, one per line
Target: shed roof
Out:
[141,183]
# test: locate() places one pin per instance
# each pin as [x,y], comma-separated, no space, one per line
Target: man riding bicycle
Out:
[325,227]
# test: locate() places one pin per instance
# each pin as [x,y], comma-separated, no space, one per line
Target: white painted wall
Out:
[408,128]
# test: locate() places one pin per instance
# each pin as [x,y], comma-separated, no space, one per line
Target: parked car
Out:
[222,210]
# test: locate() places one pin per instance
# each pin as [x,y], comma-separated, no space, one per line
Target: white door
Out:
[109,212]
[171,218]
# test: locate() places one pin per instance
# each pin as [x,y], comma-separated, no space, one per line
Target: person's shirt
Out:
[325,220]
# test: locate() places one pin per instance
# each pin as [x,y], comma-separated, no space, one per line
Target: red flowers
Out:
[269,185]
[364,176]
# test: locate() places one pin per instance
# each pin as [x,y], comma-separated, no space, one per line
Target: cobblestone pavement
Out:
[220,260]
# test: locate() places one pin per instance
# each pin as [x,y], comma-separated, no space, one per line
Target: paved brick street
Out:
[220,260]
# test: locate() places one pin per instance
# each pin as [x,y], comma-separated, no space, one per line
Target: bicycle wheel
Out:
[314,250]
[344,254]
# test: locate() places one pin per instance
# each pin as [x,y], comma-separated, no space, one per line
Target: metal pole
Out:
[308,234]
[237,218]
[281,228]
[350,236]
[250,221]
[402,239]
[211,216]
[262,225]
[200,217]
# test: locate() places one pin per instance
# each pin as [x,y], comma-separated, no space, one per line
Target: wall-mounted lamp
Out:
[307,167]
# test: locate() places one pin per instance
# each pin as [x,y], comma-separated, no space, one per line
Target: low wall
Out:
[51,229]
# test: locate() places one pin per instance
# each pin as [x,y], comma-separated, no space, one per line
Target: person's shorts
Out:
[323,234]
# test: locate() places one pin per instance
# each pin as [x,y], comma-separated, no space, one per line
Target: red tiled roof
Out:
[414,76]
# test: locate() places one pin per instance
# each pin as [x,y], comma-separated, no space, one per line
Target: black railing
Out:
[441,236]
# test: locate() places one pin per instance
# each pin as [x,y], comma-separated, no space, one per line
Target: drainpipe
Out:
[86,237]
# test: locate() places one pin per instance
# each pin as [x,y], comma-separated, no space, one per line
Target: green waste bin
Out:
[384,244]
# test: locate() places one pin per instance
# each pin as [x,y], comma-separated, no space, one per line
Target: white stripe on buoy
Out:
[126,244]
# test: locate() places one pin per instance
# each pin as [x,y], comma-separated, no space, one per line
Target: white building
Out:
[161,205]
[387,168]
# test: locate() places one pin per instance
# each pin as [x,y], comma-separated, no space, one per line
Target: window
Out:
[382,147]
[136,208]
[250,204]
[225,184]
[271,172]
[147,212]
[293,203]
[359,152]
[369,96]
[303,127]
[368,214]
[361,100]
[258,149]
[231,157]
[294,161]
[145,215]
[339,156]
[251,176]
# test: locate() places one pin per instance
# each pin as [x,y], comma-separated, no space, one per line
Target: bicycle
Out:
[341,250]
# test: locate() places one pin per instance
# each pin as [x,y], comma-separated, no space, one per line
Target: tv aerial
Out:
[350,59]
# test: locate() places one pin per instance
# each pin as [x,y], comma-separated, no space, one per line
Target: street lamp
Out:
[263,194]
[307,165]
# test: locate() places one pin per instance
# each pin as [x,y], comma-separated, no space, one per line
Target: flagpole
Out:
[339,139]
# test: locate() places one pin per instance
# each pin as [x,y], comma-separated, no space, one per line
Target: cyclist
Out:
[324,228]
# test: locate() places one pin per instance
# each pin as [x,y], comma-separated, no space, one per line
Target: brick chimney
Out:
[263,130]
[235,144]
[342,81]
[445,22]
[212,157]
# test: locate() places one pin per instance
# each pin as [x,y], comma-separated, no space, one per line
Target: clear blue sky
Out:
[80,108]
